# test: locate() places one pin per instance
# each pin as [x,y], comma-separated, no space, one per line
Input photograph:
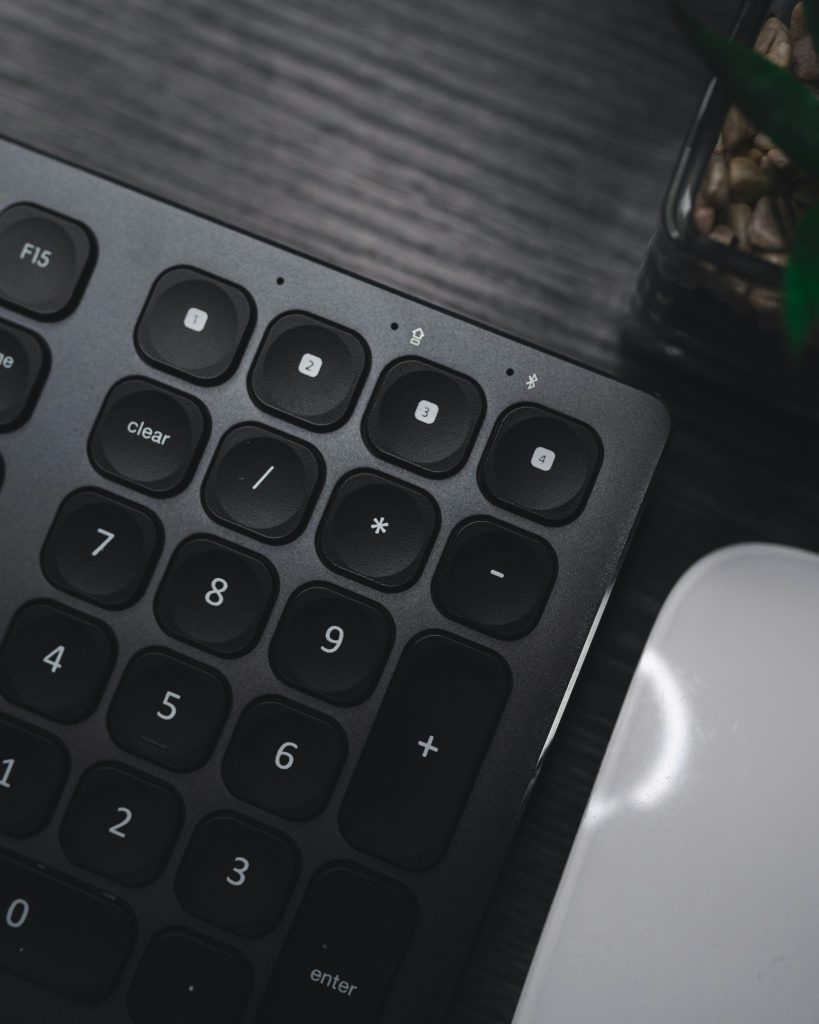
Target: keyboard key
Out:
[494,578]
[120,824]
[33,767]
[343,952]
[263,483]
[168,710]
[23,365]
[45,260]
[237,875]
[331,643]
[101,548]
[183,977]
[194,325]
[59,935]
[55,661]
[149,437]
[424,417]
[284,760]
[425,750]
[378,530]
[309,370]
[540,464]
[216,596]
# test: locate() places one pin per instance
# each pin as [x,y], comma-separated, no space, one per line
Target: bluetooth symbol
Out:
[379,525]
[530,383]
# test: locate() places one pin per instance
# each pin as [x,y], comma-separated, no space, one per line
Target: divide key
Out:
[148,436]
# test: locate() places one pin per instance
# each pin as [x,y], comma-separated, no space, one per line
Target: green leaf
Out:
[802,283]
[771,98]
[812,12]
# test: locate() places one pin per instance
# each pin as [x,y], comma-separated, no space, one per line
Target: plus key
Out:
[425,749]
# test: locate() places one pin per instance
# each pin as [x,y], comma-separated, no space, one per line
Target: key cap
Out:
[540,464]
[101,548]
[343,952]
[425,750]
[168,710]
[237,875]
[194,325]
[216,596]
[121,824]
[55,661]
[331,643]
[378,530]
[24,362]
[185,977]
[149,437]
[309,370]
[60,935]
[494,578]
[284,760]
[263,483]
[424,417]
[45,260]
[33,767]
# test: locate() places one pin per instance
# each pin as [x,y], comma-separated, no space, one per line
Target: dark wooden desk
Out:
[504,158]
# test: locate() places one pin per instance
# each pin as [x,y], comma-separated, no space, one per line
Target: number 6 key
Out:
[284,759]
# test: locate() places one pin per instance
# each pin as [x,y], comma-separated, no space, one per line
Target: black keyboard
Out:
[297,574]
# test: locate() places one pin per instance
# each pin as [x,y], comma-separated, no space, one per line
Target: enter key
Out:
[344,949]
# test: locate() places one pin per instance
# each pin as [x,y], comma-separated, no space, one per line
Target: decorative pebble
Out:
[766,300]
[805,63]
[765,229]
[739,220]
[781,161]
[704,215]
[715,186]
[722,234]
[748,180]
[736,129]
[774,43]
[779,259]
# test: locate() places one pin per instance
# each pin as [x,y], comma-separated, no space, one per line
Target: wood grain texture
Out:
[503,158]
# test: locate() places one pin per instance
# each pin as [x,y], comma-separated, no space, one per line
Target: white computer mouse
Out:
[691,895]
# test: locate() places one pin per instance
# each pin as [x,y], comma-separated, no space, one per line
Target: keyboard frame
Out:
[138,237]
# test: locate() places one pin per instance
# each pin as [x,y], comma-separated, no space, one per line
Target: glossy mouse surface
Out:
[692,890]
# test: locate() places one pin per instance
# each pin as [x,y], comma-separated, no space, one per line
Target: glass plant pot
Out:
[707,308]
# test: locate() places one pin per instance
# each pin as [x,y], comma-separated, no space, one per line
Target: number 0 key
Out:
[60,935]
